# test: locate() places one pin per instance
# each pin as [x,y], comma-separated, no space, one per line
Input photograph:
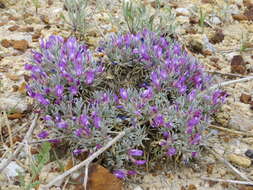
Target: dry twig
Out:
[20,146]
[246,134]
[9,129]
[235,170]
[248,78]
[228,181]
[226,74]
[85,162]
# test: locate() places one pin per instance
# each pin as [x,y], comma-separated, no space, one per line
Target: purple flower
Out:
[105,98]
[140,162]
[79,58]
[79,69]
[73,90]
[76,152]
[62,125]
[47,118]
[195,139]
[197,79]
[97,122]
[123,93]
[182,89]
[219,96]
[90,76]
[98,146]
[54,141]
[131,172]
[166,135]
[59,90]
[158,120]
[155,79]
[154,109]
[191,95]
[37,57]
[135,152]
[43,134]
[148,93]
[171,151]
[192,122]
[163,74]
[78,132]
[158,51]
[28,67]
[84,120]
[168,125]
[40,98]
[194,154]
[47,90]
[120,174]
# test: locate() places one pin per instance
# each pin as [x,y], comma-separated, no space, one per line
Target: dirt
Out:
[229,50]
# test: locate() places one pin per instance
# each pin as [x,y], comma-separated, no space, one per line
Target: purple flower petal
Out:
[43,134]
[59,90]
[135,152]
[62,125]
[123,94]
[90,76]
[140,162]
[171,151]
[120,174]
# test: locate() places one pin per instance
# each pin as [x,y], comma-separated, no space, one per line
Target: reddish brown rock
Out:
[192,187]
[238,65]
[248,3]
[36,36]
[239,17]
[50,2]
[193,20]
[13,18]
[100,179]
[6,43]
[21,45]
[26,29]
[44,19]
[249,13]
[13,28]
[2,5]
[208,1]
[245,98]
[217,37]
[2,23]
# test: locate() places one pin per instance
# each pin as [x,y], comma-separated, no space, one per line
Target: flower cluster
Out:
[165,115]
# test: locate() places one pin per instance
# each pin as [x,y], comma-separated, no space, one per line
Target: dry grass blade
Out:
[228,181]
[9,129]
[246,134]
[235,170]
[21,145]
[232,82]
[85,162]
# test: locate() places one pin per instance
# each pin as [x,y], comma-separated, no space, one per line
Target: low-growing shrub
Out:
[147,86]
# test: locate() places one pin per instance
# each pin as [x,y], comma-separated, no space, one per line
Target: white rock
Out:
[13,102]
[183,11]
[183,19]
[215,20]
[233,9]
[138,188]
[12,169]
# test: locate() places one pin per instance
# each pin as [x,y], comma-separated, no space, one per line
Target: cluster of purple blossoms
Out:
[172,103]
[60,68]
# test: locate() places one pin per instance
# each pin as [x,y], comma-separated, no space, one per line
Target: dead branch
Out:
[20,146]
[85,162]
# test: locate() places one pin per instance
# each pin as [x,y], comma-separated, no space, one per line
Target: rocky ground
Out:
[223,44]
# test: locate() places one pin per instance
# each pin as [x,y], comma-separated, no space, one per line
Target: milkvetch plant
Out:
[146,85]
